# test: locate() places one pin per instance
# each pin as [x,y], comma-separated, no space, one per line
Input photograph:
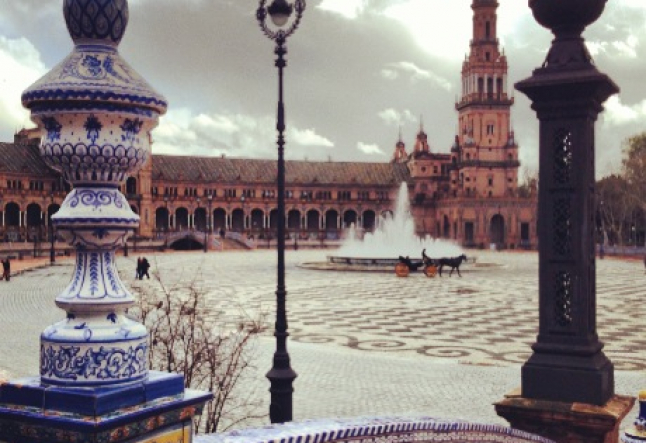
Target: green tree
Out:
[616,206]
[634,167]
[529,186]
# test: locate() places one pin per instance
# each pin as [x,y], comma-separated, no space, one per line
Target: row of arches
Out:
[257,219]
[496,229]
[11,215]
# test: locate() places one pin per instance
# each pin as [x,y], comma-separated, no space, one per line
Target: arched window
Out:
[131,186]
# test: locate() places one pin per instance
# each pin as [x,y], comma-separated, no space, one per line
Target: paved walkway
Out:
[366,344]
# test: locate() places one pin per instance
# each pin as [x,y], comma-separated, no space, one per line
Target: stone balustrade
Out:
[376,430]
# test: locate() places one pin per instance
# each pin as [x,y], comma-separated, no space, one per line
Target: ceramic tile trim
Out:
[377,430]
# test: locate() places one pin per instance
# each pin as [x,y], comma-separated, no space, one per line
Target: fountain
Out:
[394,237]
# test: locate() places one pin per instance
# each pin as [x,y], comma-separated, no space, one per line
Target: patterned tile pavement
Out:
[368,343]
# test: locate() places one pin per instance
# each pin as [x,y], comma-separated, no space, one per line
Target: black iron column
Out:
[567,93]
[281,376]
[52,237]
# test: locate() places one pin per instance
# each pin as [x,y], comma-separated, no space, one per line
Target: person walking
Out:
[6,269]
[139,268]
[144,269]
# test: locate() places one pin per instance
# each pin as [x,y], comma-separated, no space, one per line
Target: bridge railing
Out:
[377,430]
[240,238]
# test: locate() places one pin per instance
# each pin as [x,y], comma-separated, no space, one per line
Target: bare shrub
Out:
[212,349]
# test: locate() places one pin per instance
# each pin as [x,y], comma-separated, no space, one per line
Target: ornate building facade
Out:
[469,194]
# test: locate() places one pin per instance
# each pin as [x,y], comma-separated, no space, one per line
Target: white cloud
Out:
[627,47]
[21,66]
[631,3]
[369,149]
[393,70]
[389,74]
[395,118]
[184,133]
[220,123]
[309,137]
[596,48]
[181,132]
[618,48]
[349,9]
[618,114]
[430,29]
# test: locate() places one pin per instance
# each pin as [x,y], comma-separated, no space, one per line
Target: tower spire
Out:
[484,109]
[400,154]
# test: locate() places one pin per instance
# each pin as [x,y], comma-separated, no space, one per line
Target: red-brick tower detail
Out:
[487,155]
[400,155]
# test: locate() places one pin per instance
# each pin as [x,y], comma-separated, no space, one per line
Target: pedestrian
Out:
[144,269]
[6,269]
[139,268]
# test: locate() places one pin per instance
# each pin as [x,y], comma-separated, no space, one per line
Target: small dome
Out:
[96,21]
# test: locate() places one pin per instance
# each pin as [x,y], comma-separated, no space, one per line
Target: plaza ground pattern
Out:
[366,343]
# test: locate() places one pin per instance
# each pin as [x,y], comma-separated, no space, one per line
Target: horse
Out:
[454,263]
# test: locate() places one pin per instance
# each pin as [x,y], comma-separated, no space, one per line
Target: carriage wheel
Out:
[430,271]
[401,270]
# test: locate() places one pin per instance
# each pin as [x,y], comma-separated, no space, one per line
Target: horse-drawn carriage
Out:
[430,266]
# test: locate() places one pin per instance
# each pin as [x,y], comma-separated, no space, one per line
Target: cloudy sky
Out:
[357,70]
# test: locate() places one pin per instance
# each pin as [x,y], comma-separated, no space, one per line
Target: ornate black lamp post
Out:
[567,93]
[281,376]
[52,237]
[207,229]
[244,214]
[567,390]
[167,222]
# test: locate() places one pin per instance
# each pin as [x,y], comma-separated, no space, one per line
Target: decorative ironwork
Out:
[280,34]
[563,294]
[562,226]
[563,156]
[567,92]
[281,375]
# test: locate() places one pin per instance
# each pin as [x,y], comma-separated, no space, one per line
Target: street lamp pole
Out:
[244,215]
[281,376]
[208,228]
[52,252]
[167,222]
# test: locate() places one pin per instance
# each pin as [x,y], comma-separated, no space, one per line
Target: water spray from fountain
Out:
[395,236]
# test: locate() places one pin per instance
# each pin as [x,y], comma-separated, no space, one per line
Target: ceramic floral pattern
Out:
[97,113]
[71,363]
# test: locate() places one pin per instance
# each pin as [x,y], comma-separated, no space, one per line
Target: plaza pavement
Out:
[366,343]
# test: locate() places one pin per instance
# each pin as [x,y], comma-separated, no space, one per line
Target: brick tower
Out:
[486,151]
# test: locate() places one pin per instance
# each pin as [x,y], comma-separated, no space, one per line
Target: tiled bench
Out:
[376,430]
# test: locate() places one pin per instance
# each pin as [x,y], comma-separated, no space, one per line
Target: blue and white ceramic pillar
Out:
[96,113]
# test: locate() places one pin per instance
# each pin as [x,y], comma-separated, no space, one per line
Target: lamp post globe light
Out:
[281,376]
